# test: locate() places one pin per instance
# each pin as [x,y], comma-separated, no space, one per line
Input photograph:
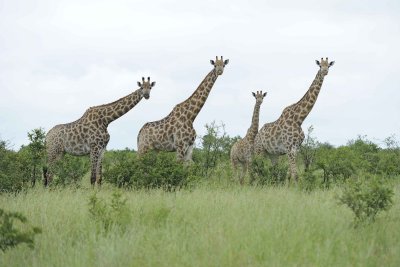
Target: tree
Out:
[36,150]
[308,149]
[214,146]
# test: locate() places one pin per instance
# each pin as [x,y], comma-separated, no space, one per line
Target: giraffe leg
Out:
[181,150]
[292,162]
[235,167]
[99,167]
[188,155]
[94,159]
[274,159]
[245,168]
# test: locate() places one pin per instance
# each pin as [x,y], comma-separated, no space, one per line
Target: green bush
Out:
[308,181]
[337,164]
[388,163]
[214,148]
[109,214]
[14,174]
[10,236]
[262,172]
[70,170]
[366,198]
[151,170]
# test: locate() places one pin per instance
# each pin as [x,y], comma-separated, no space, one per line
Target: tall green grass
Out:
[207,226]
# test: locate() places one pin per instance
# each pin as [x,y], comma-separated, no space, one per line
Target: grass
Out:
[207,226]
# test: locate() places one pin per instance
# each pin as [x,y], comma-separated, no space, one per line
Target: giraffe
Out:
[284,136]
[175,132]
[88,135]
[242,150]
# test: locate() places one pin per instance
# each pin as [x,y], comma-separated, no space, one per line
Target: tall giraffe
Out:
[242,150]
[284,136]
[88,135]
[175,132]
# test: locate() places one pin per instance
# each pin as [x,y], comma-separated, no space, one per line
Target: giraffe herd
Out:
[88,135]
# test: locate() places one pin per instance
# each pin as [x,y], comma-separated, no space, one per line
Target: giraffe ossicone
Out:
[175,132]
[284,136]
[88,135]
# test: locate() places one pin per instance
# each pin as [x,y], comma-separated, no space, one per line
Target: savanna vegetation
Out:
[154,211]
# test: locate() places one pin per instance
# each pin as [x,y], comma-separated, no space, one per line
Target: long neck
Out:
[306,103]
[116,109]
[196,101]
[253,130]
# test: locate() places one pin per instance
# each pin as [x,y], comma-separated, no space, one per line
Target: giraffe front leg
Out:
[181,149]
[99,167]
[188,154]
[292,162]
[243,173]
[94,159]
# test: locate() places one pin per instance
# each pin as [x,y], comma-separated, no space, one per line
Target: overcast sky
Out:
[57,58]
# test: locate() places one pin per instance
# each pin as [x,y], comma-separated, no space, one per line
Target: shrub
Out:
[112,214]
[308,149]
[308,181]
[214,147]
[70,170]
[366,198]
[13,172]
[262,172]
[10,236]
[337,164]
[388,163]
[151,170]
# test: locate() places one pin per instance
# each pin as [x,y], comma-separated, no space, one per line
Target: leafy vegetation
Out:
[108,215]
[11,235]
[153,210]
[150,171]
[366,198]
[205,226]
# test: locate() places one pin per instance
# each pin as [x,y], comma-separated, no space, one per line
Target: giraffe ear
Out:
[264,94]
[138,83]
[212,62]
[226,62]
[316,61]
[331,64]
[153,83]
[253,94]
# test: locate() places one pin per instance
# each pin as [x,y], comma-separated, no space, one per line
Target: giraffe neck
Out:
[253,130]
[195,102]
[112,111]
[306,103]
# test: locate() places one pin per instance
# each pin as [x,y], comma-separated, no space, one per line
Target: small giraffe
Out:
[284,136]
[175,132]
[88,135]
[242,150]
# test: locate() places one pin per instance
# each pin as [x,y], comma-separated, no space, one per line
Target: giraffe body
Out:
[242,150]
[285,135]
[88,135]
[175,132]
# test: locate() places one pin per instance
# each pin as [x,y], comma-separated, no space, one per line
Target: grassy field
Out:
[233,226]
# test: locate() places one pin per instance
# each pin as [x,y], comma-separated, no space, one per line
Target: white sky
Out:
[57,58]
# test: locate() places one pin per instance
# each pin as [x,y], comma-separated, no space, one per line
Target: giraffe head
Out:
[219,64]
[259,95]
[324,65]
[146,86]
